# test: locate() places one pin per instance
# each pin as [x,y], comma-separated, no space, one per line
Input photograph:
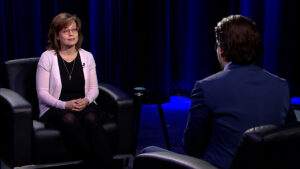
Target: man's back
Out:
[226,104]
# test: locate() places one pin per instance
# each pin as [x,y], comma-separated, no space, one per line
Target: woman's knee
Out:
[69,118]
[91,119]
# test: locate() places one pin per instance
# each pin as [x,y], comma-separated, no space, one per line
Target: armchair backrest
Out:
[269,146]
[20,77]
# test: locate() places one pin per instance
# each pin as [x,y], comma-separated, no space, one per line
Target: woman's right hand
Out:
[70,105]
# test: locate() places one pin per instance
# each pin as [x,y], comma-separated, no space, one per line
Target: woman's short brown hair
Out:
[239,38]
[58,23]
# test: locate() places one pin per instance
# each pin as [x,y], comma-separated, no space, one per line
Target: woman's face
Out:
[68,36]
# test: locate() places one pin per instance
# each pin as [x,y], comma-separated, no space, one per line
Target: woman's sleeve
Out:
[43,85]
[93,90]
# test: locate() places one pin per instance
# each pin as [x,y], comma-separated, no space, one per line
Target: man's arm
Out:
[198,130]
[291,116]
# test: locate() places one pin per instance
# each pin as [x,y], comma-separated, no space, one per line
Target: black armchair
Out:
[264,147]
[25,141]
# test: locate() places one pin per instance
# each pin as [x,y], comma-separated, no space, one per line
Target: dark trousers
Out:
[83,133]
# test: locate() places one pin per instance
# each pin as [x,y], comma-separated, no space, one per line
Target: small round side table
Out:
[144,97]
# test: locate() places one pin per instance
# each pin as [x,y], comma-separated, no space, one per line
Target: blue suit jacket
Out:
[226,104]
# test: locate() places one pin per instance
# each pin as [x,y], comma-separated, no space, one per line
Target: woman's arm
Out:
[43,89]
[93,90]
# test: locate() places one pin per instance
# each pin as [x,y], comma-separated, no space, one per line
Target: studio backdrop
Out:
[163,45]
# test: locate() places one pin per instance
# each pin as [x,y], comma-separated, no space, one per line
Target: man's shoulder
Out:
[212,82]
[242,74]
[214,77]
[274,77]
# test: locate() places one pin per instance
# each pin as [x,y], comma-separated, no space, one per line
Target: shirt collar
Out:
[226,66]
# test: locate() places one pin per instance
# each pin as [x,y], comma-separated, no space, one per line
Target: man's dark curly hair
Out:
[239,38]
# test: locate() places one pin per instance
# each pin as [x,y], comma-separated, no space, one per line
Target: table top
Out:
[144,96]
[156,100]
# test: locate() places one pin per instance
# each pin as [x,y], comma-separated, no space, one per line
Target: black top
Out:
[72,88]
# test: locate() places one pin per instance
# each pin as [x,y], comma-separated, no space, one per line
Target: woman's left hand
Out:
[80,104]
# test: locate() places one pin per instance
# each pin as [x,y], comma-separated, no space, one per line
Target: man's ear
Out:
[221,50]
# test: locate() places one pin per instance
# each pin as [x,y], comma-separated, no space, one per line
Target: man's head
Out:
[238,40]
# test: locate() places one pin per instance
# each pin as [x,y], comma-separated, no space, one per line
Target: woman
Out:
[67,87]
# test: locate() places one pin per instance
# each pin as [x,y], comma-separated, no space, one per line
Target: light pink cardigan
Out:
[48,83]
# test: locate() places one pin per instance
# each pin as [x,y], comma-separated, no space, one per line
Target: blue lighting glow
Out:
[295,100]
[176,103]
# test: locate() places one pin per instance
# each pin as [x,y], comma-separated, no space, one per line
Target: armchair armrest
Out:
[162,160]
[15,128]
[114,100]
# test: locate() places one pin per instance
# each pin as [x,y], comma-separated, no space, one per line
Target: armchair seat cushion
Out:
[50,147]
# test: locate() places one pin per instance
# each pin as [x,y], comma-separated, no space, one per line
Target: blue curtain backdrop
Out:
[164,45]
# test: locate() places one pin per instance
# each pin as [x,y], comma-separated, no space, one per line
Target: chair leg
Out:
[163,123]
[137,125]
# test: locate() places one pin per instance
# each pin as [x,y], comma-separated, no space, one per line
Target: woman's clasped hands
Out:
[77,104]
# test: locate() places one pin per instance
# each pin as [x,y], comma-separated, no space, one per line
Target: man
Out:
[241,96]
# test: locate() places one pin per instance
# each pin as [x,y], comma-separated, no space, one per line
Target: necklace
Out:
[70,73]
